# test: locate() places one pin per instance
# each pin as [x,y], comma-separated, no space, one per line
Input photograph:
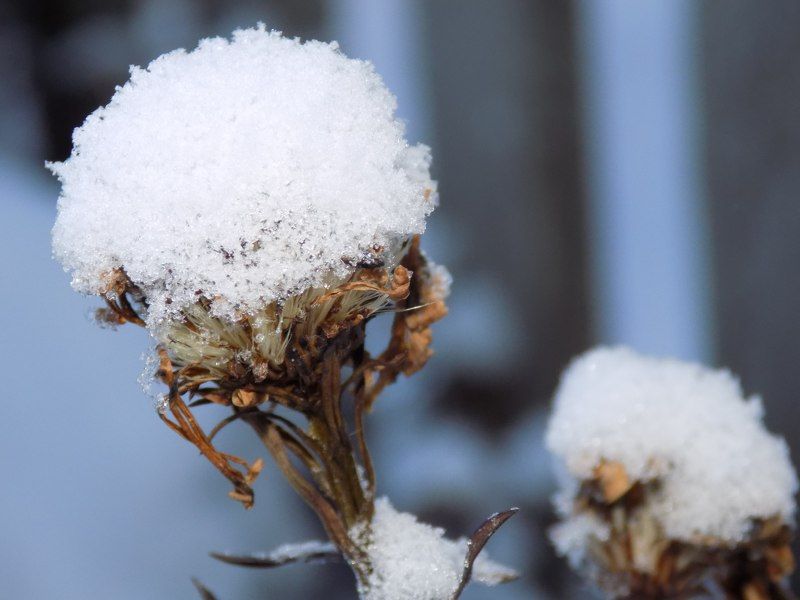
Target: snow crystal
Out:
[414,561]
[440,280]
[148,379]
[569,537]
[686,425]
[288,553]
[299,550]
[243,171]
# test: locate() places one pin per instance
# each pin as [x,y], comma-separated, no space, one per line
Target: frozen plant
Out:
[671,485]
[253,203]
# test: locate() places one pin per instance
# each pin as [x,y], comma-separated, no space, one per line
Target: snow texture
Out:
[244,171]
[414,561]
[440,280]
[299,551]
[287,553]
[570,536]
[681,423]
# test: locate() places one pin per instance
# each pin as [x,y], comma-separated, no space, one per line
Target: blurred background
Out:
[610,172]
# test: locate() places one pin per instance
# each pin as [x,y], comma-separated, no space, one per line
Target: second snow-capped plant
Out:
[254,204]
[671,485]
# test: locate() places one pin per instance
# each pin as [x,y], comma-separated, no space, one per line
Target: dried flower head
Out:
[254,204]
[672,487]
[238,175]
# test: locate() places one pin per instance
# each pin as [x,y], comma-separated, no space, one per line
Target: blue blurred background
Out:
[610,171]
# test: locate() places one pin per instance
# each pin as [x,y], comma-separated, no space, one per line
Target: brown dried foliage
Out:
[323,461]
[751,570]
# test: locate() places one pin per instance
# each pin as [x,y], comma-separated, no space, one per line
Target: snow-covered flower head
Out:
[254,203]
[666,466]
[243,172]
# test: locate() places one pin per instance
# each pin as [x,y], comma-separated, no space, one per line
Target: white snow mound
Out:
[414,561]
[243,171]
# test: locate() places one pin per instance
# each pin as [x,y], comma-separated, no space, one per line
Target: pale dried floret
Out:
[245,172]
[258,341]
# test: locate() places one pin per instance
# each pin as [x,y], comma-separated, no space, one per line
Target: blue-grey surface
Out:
[99,500]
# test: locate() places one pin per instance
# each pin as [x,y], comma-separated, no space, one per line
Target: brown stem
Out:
[309,383]
[186,426]
[344,480]
[366,458]
[335,512]
[330,429]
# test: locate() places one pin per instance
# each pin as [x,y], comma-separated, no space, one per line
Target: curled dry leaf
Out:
[409,346]
[476,543]
[187,427]
[374,280]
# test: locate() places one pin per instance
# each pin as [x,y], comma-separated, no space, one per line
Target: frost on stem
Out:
[671,485]
[311,551]
[410,560]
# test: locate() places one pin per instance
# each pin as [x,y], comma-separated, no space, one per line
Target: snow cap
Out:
[686,425]
[244,171]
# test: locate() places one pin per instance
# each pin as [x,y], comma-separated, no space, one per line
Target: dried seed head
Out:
[610,534]
[207,347]
[246,172]
[670,481]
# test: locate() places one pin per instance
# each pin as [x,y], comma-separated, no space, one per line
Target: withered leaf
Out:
[204,592]
[321,553]
[476,543]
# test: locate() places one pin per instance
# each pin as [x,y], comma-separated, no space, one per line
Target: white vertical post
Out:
[647,223]
[387,33]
